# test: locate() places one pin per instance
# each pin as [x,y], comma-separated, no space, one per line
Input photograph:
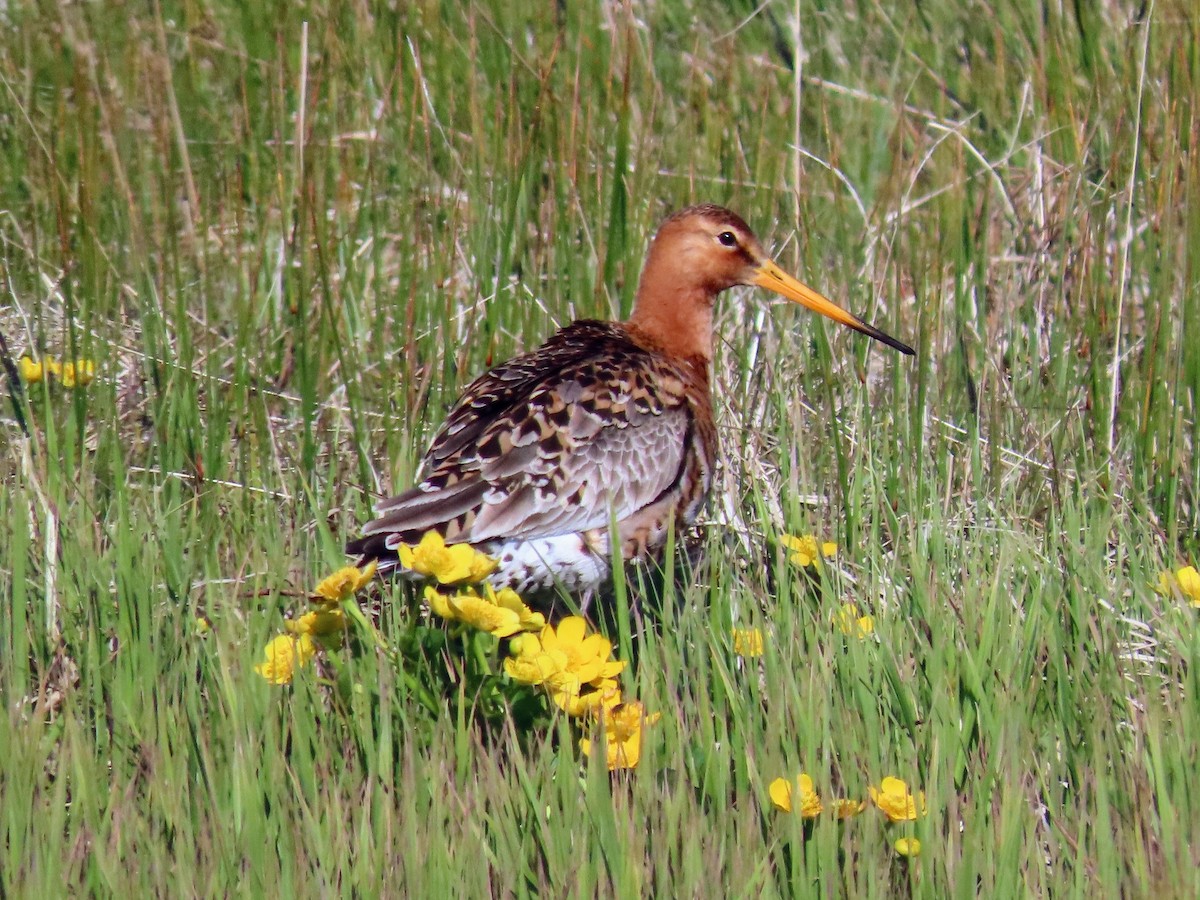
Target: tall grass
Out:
[290,235]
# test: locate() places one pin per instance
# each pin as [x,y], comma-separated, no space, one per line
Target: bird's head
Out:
[703,250]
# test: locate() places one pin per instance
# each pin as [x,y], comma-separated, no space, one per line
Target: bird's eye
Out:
[727,239]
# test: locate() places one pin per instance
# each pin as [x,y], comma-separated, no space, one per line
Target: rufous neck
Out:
[674,318]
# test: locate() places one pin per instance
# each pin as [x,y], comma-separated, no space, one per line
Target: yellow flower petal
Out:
[571,630]
[780,792]
[344,583]
[1189,584]
[896,802]
[748,642]
[907,846]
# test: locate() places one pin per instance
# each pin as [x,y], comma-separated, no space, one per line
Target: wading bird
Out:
[605,428]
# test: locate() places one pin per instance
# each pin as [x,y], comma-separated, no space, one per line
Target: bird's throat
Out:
[674,320]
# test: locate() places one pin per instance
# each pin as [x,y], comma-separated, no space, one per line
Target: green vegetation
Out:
[290,235]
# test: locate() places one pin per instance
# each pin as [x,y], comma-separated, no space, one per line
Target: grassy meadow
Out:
[288,235]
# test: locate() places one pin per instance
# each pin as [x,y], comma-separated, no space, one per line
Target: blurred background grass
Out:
[290,235]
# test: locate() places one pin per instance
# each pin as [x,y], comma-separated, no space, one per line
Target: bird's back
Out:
[554,444]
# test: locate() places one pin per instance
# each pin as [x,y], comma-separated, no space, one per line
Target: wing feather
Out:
[550,443]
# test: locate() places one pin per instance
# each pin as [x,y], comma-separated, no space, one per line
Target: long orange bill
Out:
[773,278]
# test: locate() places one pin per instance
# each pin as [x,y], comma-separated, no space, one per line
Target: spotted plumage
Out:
[606,422]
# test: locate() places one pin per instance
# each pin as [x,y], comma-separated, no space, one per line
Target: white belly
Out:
[545,563]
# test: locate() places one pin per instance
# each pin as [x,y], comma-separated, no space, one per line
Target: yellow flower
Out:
[587,655]
[747,642]
[203,625]
[844,808]
[473,610]
[529,663]
[533,669]
[896,802]
[1186,581]
[343,584]
[780,791]
[510,599]
[81,372]
[284,654]
[907,846]
[622,735]
[453,564]
[31,370]
[851,623]
[52,367]
[600,699]
[318,622]
[805,549]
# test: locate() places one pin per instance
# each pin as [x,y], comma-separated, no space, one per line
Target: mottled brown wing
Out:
[553,442]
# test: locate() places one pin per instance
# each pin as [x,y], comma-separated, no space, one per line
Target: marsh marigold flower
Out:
[782,792]
[318,622]
[587,655]
[896,802]
[806,551]
[845,808]
[284,655]
[530,663]
[449,564]
[851,623]
[748,642]
[343,584]
[1186,581]
[907,846]
[483,615]
[622,735]
[78,373]
[31,370]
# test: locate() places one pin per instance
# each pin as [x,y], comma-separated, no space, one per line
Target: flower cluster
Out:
[461,594]
[573,667]
[891,797]
[325,621]
[69,374]
[784,791]
[577,671]
[1183,582]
